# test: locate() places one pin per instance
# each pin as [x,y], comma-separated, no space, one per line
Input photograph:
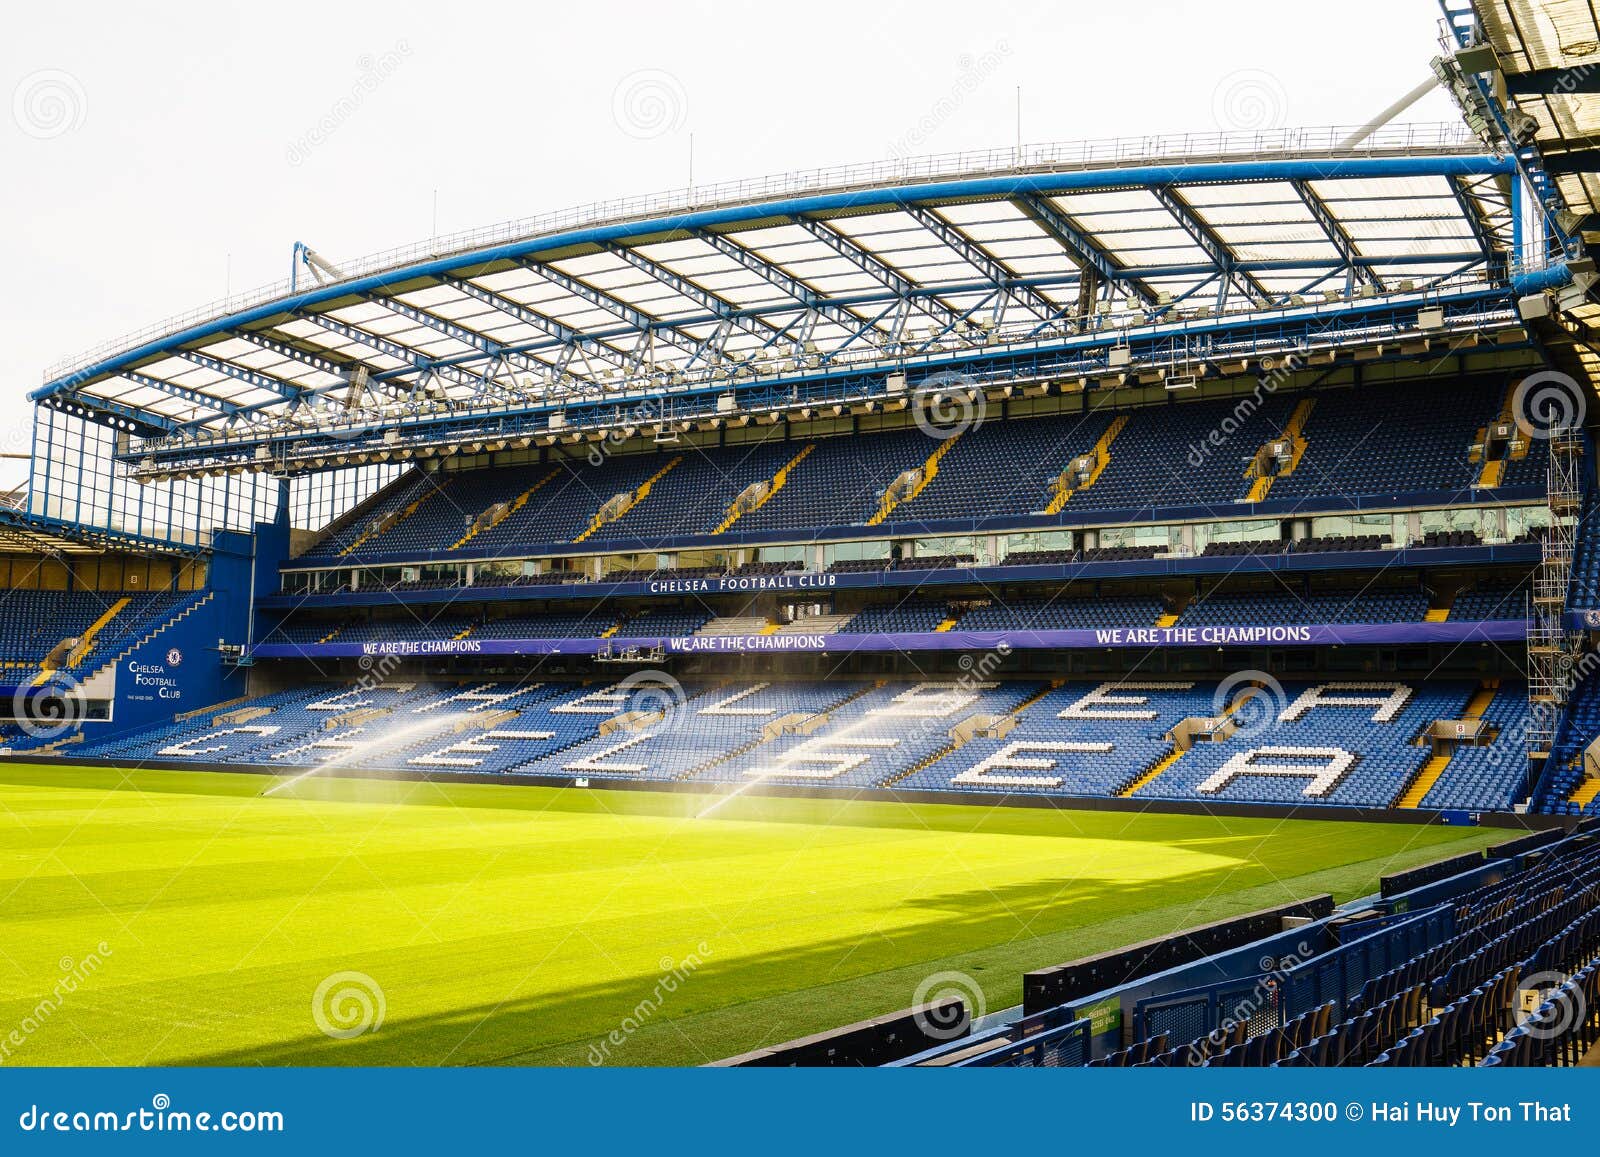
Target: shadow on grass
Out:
[491,1031]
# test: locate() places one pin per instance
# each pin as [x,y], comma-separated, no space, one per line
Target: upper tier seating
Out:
[1063,614]
[358,524]
[1393,440]
[1491,599]
[1152,461]
[1565,769]
[1180,454]
[1004,467]
[1287,607]
[693,497]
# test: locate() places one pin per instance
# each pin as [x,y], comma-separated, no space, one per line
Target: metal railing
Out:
[1112,152]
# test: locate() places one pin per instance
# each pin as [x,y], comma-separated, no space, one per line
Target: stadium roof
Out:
[1548,52]
[23,532]
[827,272]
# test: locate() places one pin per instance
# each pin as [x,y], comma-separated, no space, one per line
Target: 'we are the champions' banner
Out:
[1266,635]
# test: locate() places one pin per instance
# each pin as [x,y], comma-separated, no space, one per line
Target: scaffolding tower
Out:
[1551,646]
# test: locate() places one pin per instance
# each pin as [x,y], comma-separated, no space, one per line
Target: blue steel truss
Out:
[820,299]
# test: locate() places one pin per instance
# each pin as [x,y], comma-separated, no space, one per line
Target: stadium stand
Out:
[75,633]
[1571,784]
[1279,606]
[1436,975]
[1063,614]
[1585,592]
[1076,740]
[1004,467]
[1349,743]
[1491,599]
[1135,459]
[1396,442]
[1357,744]
[1277,385]
[907,616]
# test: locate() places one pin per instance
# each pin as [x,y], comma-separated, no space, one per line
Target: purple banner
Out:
[1348,634]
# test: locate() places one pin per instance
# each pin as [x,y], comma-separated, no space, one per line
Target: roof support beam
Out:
[139,418]
[545,325]
[1323,216]
[620,309]
[418,365]
[184,393]
[1580,160]
[565,334]
[1469,210]
[251,378]
[724,310]
[1084,252]
[314,360]
[873,267]
[341,368]
[976,256]
[785,282]
[1553,81]
[454,330]
[1210,243]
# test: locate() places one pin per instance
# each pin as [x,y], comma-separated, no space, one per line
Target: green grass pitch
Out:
[172,918]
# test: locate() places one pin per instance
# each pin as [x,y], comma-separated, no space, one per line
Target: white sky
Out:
[151,165]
